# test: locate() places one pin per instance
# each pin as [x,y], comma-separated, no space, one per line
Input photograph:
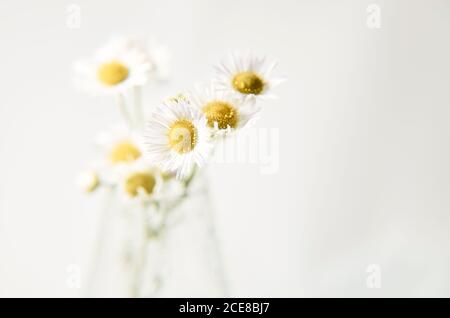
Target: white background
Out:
[364,160]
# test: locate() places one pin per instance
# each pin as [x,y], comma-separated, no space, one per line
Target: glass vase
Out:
[158,250]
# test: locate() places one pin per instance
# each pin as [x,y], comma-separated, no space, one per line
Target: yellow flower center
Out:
[141,181]
[112,73]
[167,175]
[182,136]
[221,113]
[124,151]
[248,83]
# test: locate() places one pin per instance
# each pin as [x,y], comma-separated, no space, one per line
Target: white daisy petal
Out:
[177,138]
[276,81]
[224,111]
[271,67]
[116,68]
[245,75]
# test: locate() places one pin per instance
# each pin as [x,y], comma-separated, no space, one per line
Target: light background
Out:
[364,173]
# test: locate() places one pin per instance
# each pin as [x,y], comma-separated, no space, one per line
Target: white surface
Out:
[364,174]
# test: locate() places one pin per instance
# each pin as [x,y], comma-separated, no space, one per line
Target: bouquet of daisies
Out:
[151,163]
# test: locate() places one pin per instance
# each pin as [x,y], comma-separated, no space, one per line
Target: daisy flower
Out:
[140,183]
[224,111]
[177,138]
[115,68]
[120,146]
[247,76]
[88,181]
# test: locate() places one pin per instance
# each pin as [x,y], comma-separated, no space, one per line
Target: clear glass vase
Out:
[158,250]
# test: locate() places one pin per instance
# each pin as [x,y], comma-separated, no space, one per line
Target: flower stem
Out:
[123,110]
[138,111]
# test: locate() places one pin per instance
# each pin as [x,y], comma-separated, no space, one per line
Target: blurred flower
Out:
[139,182]
[247,76]
[224,112]
[117,67]
[180,97]
[88,181]
[120,145]
[177,138]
